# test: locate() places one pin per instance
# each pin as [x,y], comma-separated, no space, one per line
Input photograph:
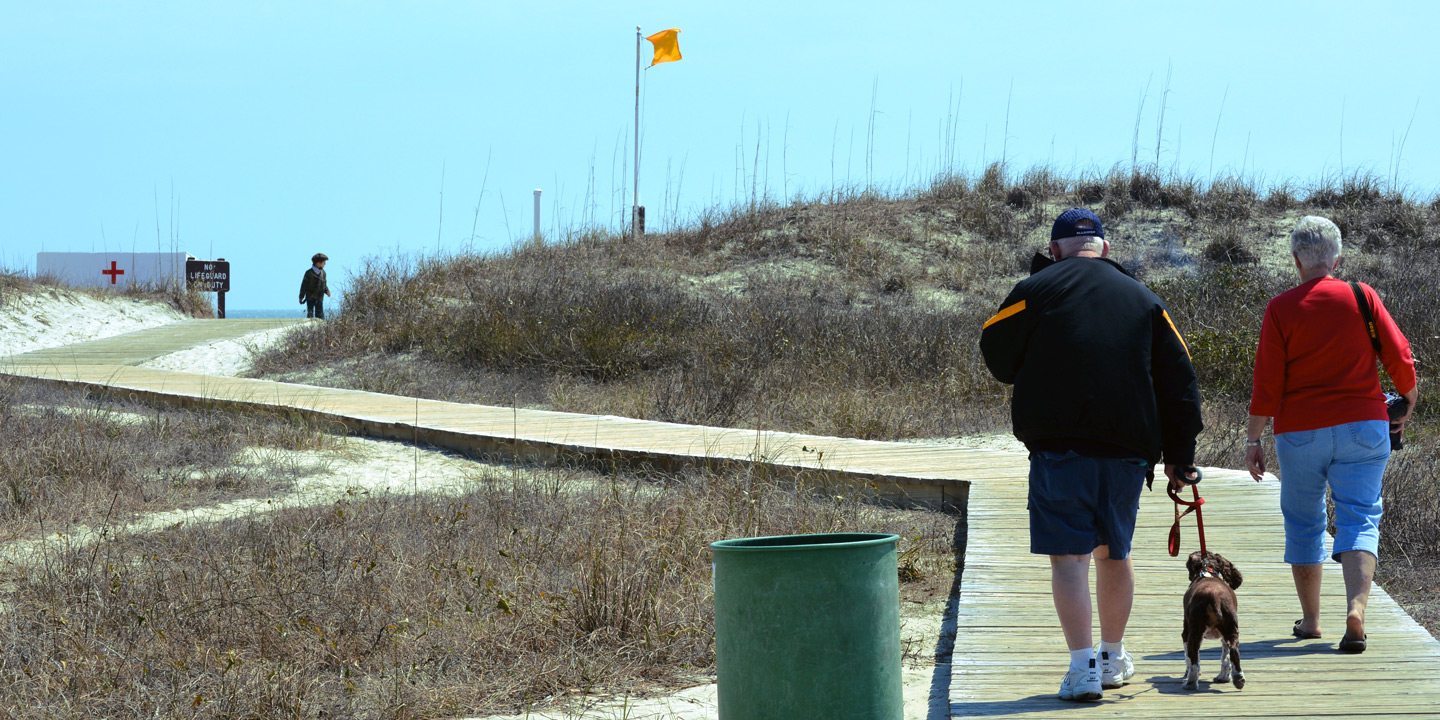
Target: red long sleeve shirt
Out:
[1315,367]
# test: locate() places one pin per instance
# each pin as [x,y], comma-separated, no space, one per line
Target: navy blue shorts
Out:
[1079,503]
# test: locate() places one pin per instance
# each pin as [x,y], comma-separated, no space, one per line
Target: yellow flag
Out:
[667,46]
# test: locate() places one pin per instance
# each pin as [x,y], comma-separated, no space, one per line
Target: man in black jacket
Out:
[313,287]
[1104,389]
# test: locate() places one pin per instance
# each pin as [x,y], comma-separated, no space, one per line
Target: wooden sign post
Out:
[209,276]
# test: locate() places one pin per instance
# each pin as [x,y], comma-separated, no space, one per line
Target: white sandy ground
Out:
[360,468]
[365,467]
[49,317]
[222,358]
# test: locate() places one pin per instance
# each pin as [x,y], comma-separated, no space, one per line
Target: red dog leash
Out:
[1190,506]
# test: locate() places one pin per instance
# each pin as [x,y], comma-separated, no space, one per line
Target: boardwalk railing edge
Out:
[897,490]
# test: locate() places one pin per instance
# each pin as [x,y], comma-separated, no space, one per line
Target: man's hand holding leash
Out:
[1181,476]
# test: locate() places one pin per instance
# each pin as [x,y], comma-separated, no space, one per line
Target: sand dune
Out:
[50,317]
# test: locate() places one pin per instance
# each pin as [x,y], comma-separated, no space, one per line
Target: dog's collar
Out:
[1208,572]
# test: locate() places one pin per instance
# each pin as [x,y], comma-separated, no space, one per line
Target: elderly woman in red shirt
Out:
[1315,375]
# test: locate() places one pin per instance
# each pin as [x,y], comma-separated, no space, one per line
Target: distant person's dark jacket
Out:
[313,285]
[1097,364]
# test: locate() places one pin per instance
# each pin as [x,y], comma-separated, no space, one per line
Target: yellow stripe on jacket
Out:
[1008,312]
[1183,344]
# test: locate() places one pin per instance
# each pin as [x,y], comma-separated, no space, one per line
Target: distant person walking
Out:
[1315,375]
[313,287]
[1104,389]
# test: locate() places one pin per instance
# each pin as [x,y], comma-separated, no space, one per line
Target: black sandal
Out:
[1297,632]
[1350,644]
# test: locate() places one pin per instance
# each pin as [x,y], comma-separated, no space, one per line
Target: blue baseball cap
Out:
[1077,222]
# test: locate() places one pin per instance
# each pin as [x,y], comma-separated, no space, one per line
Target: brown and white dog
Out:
[1210,612]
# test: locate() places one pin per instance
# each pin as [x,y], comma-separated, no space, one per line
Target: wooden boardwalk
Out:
[145,345]
[1008,654]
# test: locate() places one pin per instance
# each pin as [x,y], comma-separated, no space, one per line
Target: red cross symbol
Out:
[112,272]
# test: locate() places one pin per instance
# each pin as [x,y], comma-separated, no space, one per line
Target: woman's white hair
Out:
[1315,241]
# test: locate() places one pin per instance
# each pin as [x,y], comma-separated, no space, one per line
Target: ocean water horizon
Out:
[296,312]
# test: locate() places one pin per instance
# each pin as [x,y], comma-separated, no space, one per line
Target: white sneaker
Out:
[1115,671]
[1081,685]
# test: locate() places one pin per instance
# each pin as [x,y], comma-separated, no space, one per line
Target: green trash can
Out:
[808,626]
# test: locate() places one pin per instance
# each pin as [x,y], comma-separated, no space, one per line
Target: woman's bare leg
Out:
[1359,567]
[1307,588]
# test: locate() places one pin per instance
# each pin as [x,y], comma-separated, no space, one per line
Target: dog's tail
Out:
[1228,616]
[1219,616]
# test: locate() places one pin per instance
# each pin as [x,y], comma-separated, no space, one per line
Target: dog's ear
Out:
[1194,564]
[1231,575]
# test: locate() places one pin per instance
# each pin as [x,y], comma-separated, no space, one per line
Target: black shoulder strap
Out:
[1368,314]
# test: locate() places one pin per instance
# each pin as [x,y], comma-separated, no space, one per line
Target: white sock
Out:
[1112,651]
[1082,659]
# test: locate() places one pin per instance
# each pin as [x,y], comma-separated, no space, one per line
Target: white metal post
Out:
[537,215]
[635,197]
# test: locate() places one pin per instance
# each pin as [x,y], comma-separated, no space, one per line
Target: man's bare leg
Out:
[1115,593]
[1070,588]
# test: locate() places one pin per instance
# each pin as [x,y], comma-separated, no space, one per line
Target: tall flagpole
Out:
[635,196]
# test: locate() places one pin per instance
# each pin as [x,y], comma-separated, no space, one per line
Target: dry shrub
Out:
[1280,198]
[712,358]
[1230,200]
[1412,500]
[992,181]
[68,459]
[511,595]
[14,285]
[1389,223]
[1227,245]
[1357,189]
[1219,308]
[1042,185]
[602,324]
[1148,188]
[1369,215]
[948,188]
[1088,191]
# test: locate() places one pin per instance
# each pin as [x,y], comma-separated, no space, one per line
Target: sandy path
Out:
[222,358]
[360,468]
[49,318]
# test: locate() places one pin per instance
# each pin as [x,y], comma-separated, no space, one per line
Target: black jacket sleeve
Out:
[307,285]
[1006,334]
[1177,390]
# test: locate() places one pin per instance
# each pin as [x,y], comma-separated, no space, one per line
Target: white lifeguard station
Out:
[116,270]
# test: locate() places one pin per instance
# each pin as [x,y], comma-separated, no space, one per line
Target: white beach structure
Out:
[117,270]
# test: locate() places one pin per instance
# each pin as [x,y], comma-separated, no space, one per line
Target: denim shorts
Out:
[1078,503]
[1350,459]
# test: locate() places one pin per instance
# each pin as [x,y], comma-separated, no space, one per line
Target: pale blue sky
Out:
[289,127]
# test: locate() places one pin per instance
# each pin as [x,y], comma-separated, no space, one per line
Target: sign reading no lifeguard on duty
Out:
[207,275]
